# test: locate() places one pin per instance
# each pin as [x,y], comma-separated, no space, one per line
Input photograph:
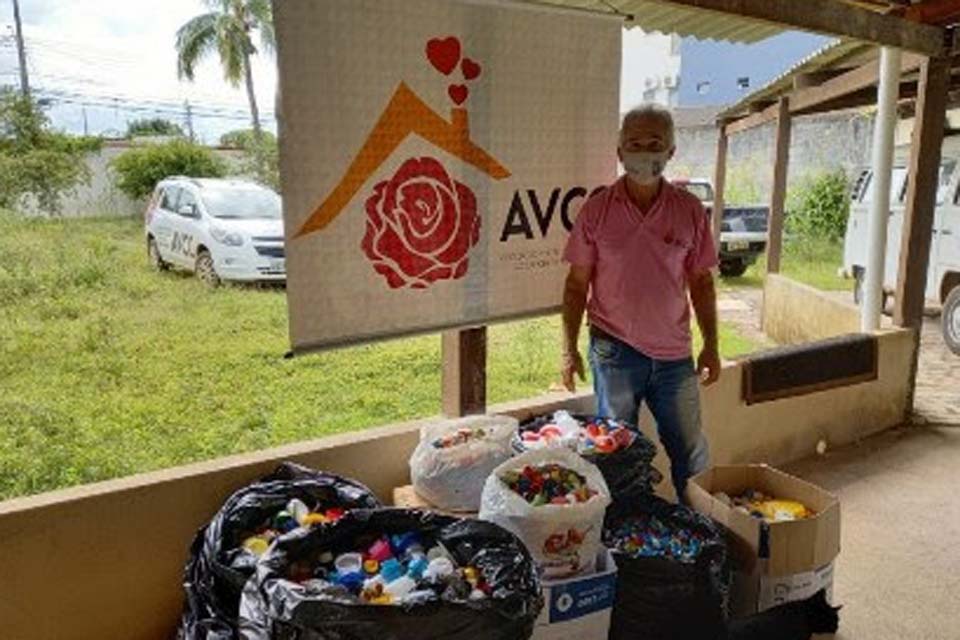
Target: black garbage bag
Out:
[218,567]
[791,621]
[274,607]
[669,591]
[627,471]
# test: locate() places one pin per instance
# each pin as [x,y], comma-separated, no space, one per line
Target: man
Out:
[637,248]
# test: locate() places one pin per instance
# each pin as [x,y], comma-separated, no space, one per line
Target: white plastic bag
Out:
[452,477]
[563,539]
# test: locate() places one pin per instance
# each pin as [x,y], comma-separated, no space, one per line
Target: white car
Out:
[943,269]
[219,229]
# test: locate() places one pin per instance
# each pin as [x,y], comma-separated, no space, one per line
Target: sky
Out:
[120,54]
[105,62]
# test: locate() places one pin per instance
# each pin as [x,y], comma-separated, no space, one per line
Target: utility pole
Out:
[21,50]
[86,129]
[190,120]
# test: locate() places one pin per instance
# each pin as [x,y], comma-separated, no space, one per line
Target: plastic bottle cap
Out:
[391,570]
[349,563]
[298,510]
[400,587]
[439,568]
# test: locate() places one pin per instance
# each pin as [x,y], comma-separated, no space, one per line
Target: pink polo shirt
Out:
[641,265]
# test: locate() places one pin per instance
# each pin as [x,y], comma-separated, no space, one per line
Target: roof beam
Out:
[860,78]
[808,100]
[932,11]
[754,120]
[830,16]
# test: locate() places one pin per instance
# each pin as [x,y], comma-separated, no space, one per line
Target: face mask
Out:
[645,167]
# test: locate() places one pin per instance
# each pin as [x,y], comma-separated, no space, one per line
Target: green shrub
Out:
[153,127]
[36,160]
[818,207]
[244,138]
[262,161]
[137,172]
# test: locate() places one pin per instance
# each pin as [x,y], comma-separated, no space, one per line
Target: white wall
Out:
[651,62]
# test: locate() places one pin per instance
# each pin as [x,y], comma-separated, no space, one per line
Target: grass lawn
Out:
[812,262]
[108,369]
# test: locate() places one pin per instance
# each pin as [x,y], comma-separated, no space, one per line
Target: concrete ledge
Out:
[795,312]
[105,560]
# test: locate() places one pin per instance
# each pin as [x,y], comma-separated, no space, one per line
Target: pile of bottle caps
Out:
[549,484]
[760,505]
[646,535]
[458,437]
[394,569]
[296,514]
[596,435]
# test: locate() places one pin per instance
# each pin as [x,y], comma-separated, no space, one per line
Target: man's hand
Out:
[708,366]
[572,364]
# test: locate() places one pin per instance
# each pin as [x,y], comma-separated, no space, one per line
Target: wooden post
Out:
[921,202]
[778,197]
[464,375]
[719,182]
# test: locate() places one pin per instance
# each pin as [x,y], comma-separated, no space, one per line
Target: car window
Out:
[860,186]
[169,199]
[898,186]
[241,203]
[187,199]
[703,191]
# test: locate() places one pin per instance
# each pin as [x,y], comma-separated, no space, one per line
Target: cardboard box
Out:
[579,607]
[774,562]
[407,498]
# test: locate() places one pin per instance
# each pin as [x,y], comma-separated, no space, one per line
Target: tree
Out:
[228,29]
[153,127]
[139,170]
[244,138]
[36,160]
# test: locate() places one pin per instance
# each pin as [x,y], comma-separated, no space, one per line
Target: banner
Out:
[434,154]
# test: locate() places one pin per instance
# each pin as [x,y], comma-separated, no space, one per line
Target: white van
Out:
[943,274]
[219,229]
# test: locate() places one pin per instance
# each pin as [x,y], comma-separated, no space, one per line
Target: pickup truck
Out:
[743,230]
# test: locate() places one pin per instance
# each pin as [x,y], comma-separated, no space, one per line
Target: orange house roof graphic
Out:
[405,115]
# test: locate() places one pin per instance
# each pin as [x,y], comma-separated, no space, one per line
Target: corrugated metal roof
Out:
[651,15]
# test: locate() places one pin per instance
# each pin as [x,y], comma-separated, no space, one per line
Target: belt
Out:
[597,332]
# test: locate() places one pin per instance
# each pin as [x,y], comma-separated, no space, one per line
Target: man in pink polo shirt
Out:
[637,250]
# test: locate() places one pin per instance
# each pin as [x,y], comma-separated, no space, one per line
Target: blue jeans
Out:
[623,378]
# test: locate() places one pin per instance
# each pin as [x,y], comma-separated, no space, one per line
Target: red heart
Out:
[458,93]
[444,55]
[470,69]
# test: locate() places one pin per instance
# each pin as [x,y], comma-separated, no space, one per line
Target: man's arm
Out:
[703,295]
[574,302]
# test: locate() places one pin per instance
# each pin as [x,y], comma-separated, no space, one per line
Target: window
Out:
[242,203]
[702,190]
[187,199]
[169,199]
[860,186]
[946,177]
[898,186]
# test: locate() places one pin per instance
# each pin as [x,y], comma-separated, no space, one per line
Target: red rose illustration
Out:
[421,225]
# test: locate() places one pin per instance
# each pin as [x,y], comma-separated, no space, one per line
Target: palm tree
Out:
[228,28]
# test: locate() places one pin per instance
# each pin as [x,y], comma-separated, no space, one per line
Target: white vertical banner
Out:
[434,154]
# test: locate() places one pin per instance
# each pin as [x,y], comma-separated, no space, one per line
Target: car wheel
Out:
[205,271]
[733,268]
[950,321]
[153,255]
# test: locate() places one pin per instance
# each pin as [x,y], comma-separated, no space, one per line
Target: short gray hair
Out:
[649,111]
